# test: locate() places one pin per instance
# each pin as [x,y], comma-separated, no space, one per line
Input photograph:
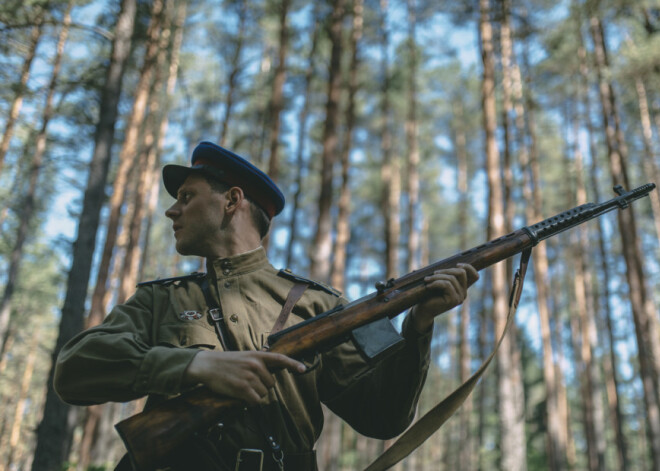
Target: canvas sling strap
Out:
[292,298]
[433,420]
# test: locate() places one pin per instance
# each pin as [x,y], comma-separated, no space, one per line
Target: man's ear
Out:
[235,196]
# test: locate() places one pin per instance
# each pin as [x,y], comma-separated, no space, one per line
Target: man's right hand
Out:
[244,375]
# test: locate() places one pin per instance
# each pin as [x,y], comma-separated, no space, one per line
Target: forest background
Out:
[401,132]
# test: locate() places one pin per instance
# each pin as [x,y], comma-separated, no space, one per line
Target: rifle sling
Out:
[292,298]
[421,430]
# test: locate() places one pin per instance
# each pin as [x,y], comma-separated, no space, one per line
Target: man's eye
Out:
[184,197]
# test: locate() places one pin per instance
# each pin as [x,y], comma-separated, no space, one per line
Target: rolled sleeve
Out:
[162,370]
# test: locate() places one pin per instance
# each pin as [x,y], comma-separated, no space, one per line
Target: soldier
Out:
[210,329]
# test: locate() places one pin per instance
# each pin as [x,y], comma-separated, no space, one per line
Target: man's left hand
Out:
[450,288]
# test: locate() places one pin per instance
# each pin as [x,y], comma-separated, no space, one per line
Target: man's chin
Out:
[185,250]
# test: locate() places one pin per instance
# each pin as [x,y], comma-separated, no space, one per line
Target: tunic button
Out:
[227,285]
[233,318]
[226,272]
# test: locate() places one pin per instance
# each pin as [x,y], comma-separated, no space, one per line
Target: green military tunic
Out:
[144,346]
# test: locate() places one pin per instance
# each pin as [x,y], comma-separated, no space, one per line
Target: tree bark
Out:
[322,245]
[609,360]
[391,190]
[467,448]
[343,216]
[643,310]
[174,62]
[650,166]
[277,96]
[590,378]
[556,437]
[126,162]
[512,425]
[303,118]
[236,68]
[412,135]
[54,433]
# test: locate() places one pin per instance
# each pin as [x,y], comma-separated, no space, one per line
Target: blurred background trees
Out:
[400,132]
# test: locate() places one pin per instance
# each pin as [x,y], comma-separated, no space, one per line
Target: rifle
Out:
[152,436]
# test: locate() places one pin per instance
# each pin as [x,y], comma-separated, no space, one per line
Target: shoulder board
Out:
[286,273]
[165,281]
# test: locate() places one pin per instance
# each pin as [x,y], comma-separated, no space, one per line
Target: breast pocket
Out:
[187,335]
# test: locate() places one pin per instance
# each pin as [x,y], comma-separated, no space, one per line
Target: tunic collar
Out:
[236,265]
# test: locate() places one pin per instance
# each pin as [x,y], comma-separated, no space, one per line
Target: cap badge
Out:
[190,315]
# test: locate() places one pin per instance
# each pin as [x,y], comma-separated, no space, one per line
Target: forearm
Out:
[380,402]
[100,366]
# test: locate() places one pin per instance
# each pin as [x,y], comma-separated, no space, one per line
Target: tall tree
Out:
[389,173]
[234,69]
[277,95]
[643,310]
[126,267]
[649,159]
[459,137]
[525,122]
[585,331]
[512,426]
[343,217]
[54,433]
[322,244]
[127,162]
[412,144]
[303,118]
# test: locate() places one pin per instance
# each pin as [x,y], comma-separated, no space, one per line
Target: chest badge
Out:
[190,315]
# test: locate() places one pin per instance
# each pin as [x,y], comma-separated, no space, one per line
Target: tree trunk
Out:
[391,190]
[277,98]
[507,61]
[148,174]
[467,449]
[128,266]
[590,377]
[152,203]
[412,132]
[343,227]
[235,71]
[17,102]
[322,245]
[644,314]
[303,118]
[54,433]
[650,166]
[556,437]
[609,360]
[126,162]
[512,426]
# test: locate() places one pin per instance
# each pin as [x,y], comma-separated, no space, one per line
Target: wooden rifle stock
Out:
[154,435]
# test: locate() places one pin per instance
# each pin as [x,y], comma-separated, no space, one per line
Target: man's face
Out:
[197,217]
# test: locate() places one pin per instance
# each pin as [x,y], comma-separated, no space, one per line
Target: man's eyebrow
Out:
[182,189]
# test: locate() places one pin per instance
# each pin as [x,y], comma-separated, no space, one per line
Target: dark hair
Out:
[259,217]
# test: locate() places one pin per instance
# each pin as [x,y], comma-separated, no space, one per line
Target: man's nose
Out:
[172,211]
